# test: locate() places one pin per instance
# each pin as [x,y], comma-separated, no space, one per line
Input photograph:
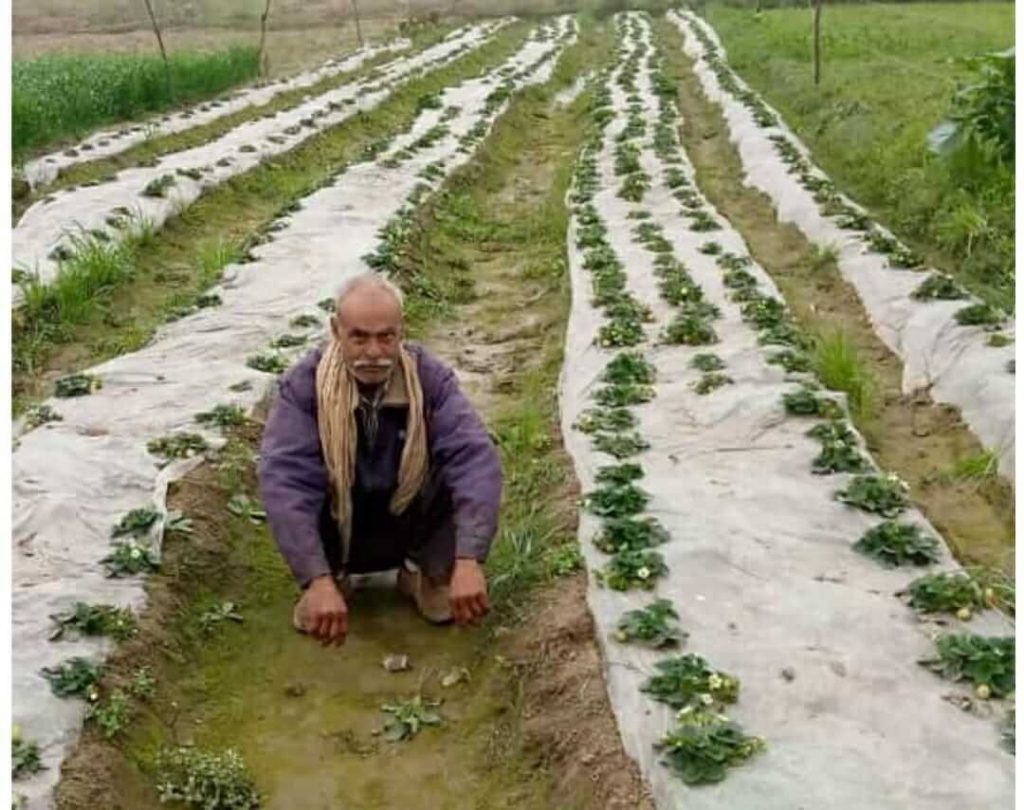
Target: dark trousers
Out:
[423,533]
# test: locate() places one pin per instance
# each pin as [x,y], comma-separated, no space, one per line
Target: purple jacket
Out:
[294,483]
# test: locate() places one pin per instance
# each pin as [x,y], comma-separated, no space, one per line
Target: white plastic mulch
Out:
[761,566]
[952,361]
[49,223]
[106,143]
[64,511]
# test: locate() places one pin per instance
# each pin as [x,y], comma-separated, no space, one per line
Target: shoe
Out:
[431,600]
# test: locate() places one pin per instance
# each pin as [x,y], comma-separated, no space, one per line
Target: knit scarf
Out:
[338,399]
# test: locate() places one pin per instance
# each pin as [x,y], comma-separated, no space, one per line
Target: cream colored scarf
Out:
[337,396]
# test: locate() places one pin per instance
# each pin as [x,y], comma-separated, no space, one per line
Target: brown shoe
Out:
[431,600]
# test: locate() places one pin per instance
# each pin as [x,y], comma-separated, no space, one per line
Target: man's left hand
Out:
[468,592]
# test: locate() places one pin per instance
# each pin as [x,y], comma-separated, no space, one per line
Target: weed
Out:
[987,662]
[896,544]
[217,615]
[564,560]
[112,716]
[654,626]
[243,506]
[820,258]
[407,717]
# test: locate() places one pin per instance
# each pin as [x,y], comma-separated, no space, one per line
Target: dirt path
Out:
[531,727]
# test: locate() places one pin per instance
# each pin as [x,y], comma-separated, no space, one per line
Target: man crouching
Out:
[372,459]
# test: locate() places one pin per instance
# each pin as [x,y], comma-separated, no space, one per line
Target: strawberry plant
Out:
[632,568]
[304,322]
[939,287]
[137,523]
[894,544]
[619,474]
[806,402]
[985,661]
[611,500]
[839,452]
[621,445]
[621,333]
[326,304]
[790,360]
[563,560]
[178,445]
[654,626]
[711,382]
[784,334]
[634,187]
[688,680]
[630,534]
[884,495]
[629,367]
[77,385]
[129,559]
[690,330]
[764,312]
[222,416]
[702,222]
[705,745]
[159,186]
[72,678]
[707,363]
[407,717]
[623,394]
[980,315]
[25,759]
[946,592]
[615,420]
[205,780]
[288,341]
[93,620]
[710,249]
[41,415]
[218,614]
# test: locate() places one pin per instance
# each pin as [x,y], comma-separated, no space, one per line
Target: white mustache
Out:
[378,365]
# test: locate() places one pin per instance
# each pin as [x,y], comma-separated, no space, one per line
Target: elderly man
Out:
[373,459]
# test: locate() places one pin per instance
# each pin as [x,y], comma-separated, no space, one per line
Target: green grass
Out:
[839,366]
[889,72]
[57,97]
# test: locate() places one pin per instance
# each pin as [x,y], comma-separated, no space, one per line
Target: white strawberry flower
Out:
[643,572]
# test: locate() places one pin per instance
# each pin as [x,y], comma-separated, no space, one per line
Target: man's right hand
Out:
[326,612]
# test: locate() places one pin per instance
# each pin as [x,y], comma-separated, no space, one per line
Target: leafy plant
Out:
[305,322]
[216,615]
[111,716]
[178,445]
[615,420]
[895,544]
[986,661]
[206,780]
[623,394]
[269,363]
[946,592]
[159,186]
[137,523]
[939,287]
[885,495]
[72,678]
[654,626]
[41,415]
[980,315]
[690,330]
[612,500]
[705,745]
[25,759]
[790,360]
[288,341]
[629,367]
[94,620]
[619,474]
[622,445]
[77,385]
[129,559]
[839,451]
[630,534]
[632,568]
[688,680]
[707,362]
[241,505]
[222,416]
[710,248]
[634,187]
[564,559]
[807,402]
[407,717]
[711,382]
[623,332]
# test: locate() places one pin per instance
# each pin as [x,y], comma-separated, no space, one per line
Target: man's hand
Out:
[467,592]
[326,612]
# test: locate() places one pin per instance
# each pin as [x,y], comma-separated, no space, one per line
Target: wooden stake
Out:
[817,42]
[263,39]
[160,42]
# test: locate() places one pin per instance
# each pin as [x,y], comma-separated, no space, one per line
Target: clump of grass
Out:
[67,95]
[839,366]
[196,778]
[895,544]
[822,258]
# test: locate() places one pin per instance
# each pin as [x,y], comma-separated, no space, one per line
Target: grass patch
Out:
[838,364]
[862,131]
[66,95]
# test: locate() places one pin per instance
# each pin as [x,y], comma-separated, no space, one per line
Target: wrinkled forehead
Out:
[370,309]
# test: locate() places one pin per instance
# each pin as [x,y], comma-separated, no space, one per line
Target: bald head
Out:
[368,325]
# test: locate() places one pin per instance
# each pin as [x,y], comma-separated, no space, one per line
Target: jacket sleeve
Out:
[467,462]
[293,477]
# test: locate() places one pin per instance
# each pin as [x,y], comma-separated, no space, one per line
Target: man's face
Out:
[369,327]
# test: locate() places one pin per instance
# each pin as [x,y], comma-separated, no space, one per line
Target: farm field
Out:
[756,544]
[889,72]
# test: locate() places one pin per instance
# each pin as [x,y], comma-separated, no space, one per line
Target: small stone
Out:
[788,674]
[396,663]
[454,676]
[295,689]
